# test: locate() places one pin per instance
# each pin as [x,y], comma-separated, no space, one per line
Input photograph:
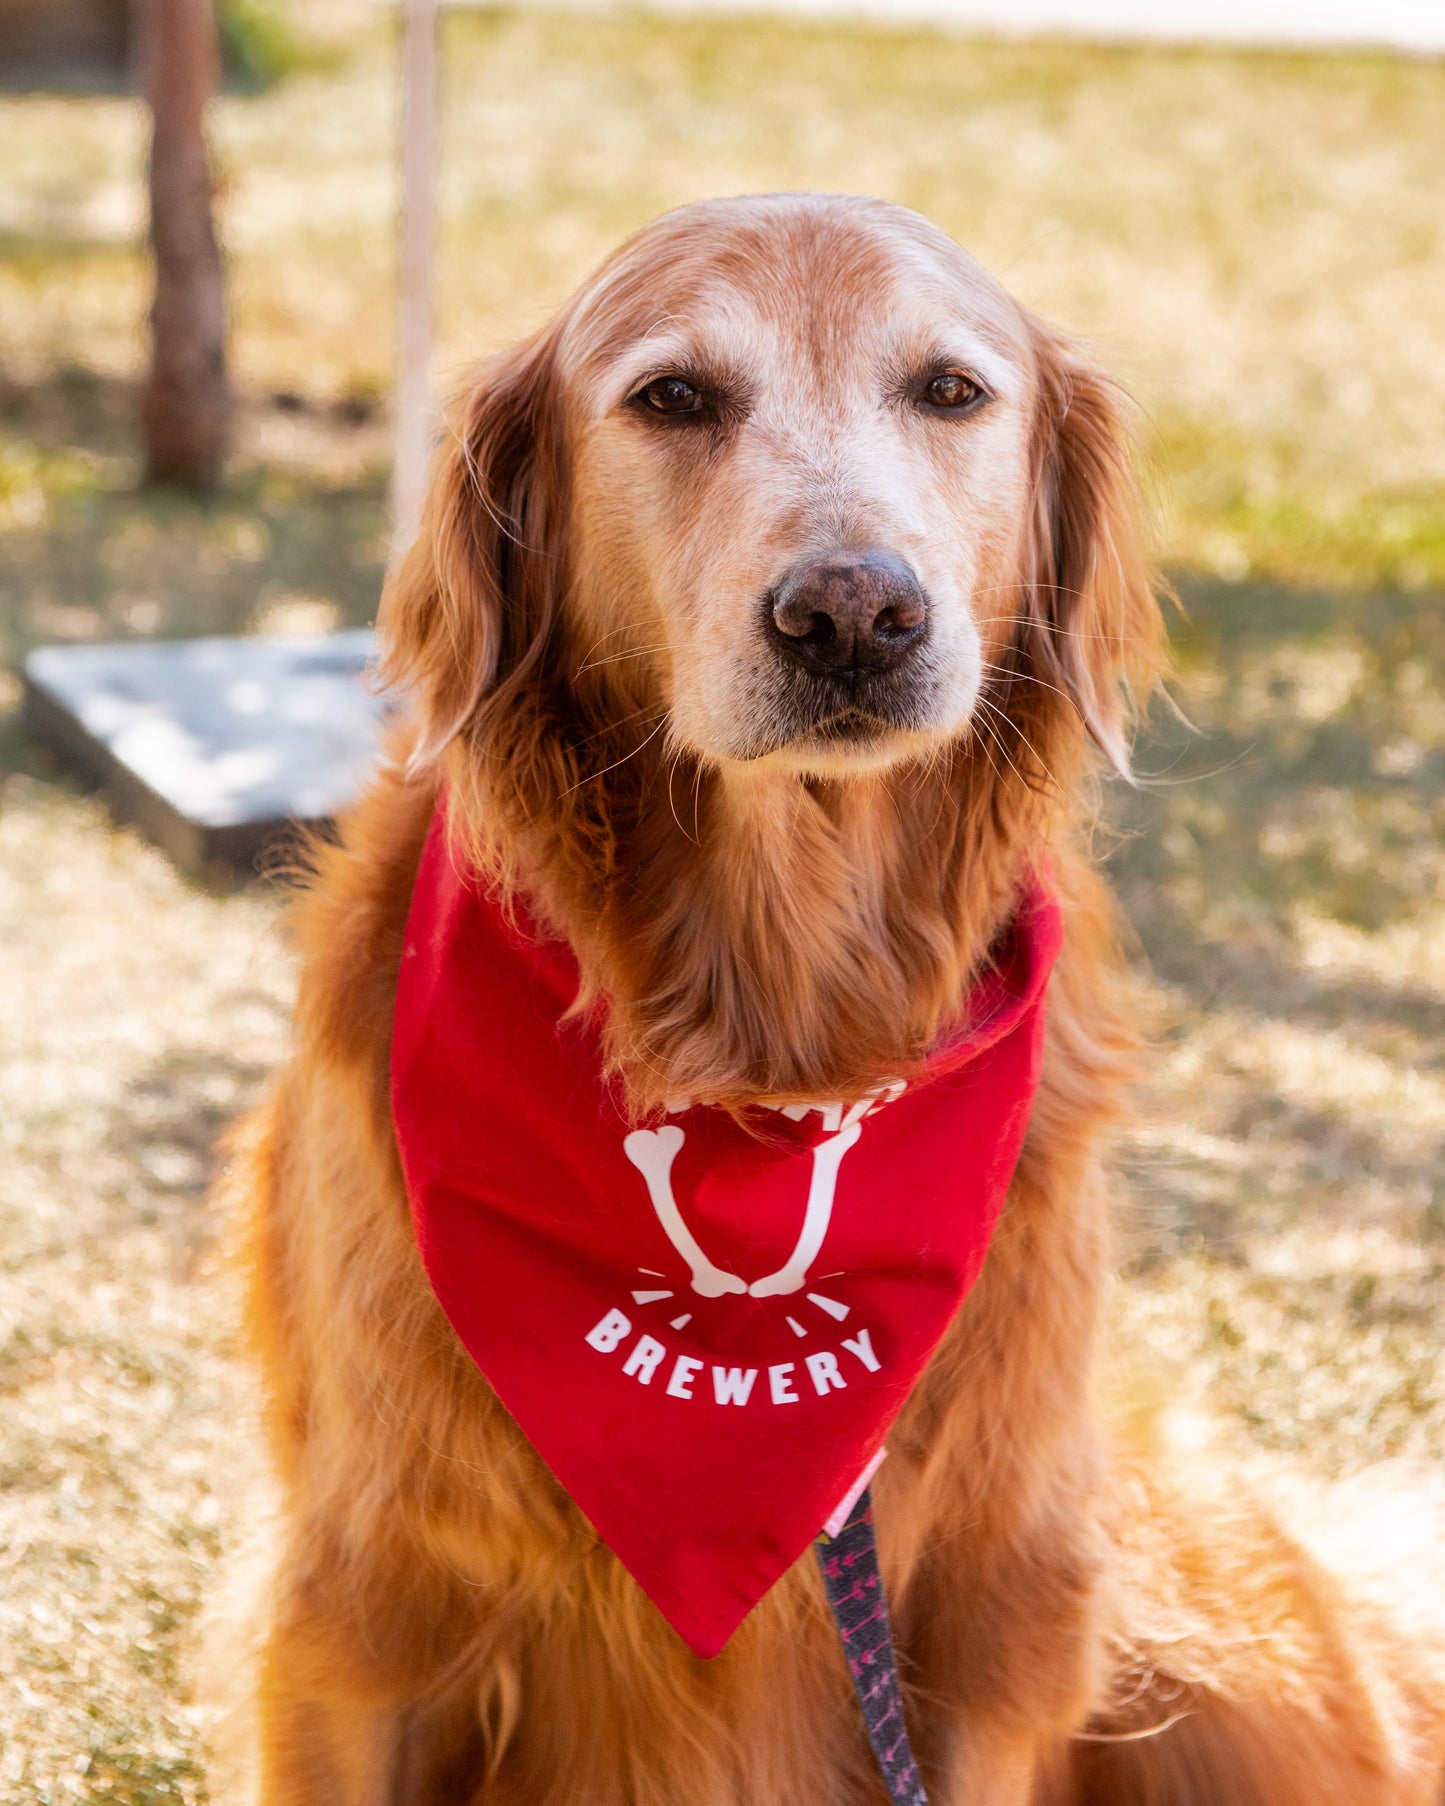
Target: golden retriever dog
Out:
[771,614]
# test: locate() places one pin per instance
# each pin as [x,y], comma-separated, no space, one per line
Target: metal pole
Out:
[413,403]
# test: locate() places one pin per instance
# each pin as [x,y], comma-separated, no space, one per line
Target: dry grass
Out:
[139,1013]
[1255,241]
[1285,1231]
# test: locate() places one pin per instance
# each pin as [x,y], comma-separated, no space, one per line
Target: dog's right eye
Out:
[671,395]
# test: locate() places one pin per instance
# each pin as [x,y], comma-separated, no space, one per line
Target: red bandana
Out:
[705,1333]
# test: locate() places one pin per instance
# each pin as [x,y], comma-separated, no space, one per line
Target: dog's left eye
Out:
[953,390]
[671,395]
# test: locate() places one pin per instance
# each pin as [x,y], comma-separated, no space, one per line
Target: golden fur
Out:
[773,917]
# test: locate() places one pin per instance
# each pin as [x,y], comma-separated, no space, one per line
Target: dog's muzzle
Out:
[848,632]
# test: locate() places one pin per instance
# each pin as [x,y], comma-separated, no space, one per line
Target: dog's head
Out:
[793,483]
[793,504]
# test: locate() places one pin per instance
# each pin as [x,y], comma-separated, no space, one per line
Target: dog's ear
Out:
[467,611]
[1092,626]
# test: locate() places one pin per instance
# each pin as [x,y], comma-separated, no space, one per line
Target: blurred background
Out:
[1251,235]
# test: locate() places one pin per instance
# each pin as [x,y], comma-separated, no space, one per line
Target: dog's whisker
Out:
[988,737]
[614,658]
[1008,719]
[1050,627]
[672,765]
[592,777]
[998,741]
[697,800]
[603,638]
[1028,677]
[621,721]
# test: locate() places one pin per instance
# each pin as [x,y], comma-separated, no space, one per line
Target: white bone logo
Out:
[652,1152]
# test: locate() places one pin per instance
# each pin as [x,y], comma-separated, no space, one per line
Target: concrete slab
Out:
[215,748]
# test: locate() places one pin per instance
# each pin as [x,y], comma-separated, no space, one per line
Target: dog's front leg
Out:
[349,1752]
[990,1765]
[335,1731]
[1006,1649]
[337,1752]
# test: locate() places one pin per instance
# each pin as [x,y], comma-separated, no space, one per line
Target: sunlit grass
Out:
[1253,241]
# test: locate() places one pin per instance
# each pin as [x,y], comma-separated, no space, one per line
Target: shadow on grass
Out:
[167,1128]
[1311,797]
[90,556]
[1283,868]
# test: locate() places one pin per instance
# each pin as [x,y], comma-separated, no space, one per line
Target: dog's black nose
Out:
[848,611]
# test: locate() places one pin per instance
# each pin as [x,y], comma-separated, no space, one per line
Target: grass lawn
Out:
[1253,241]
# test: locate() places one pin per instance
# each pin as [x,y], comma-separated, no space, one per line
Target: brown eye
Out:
[952,390]
[672,395]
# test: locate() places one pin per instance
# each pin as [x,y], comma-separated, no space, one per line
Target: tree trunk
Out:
[186,405]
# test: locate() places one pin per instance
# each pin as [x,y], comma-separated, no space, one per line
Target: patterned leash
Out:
[849,1562]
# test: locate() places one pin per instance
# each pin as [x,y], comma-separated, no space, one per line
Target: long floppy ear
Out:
[467,611]
[1092,624]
